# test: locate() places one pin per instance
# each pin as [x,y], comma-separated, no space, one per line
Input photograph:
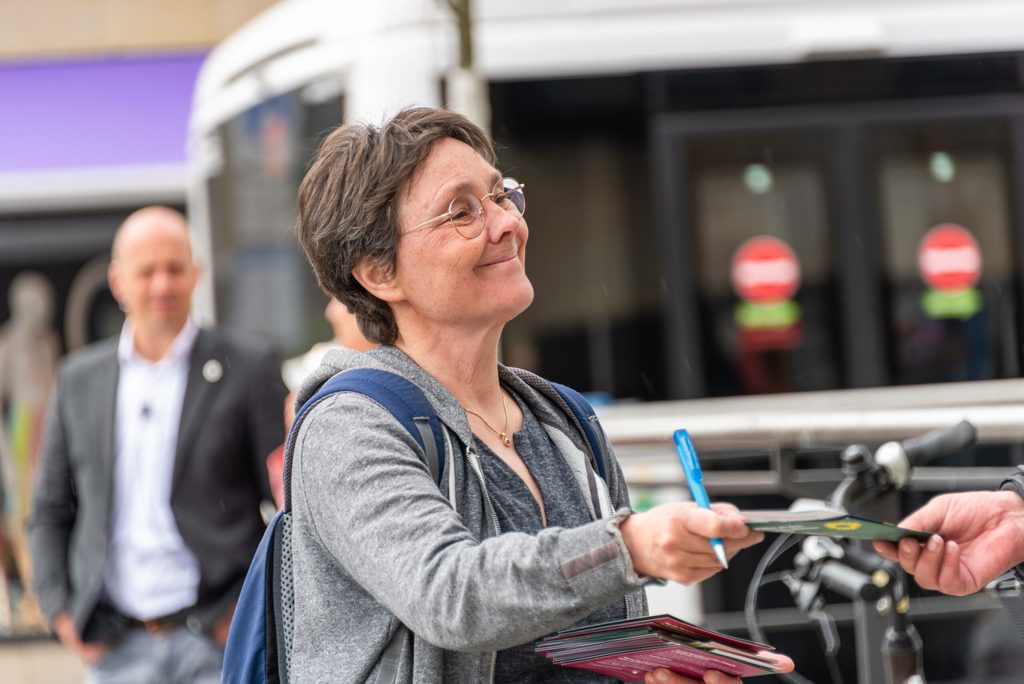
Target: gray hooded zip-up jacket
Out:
[376,543]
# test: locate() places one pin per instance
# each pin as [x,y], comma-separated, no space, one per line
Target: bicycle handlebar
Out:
[939,442]
[899,458]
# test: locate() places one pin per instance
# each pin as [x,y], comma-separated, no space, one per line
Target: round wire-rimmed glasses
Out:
[465,210]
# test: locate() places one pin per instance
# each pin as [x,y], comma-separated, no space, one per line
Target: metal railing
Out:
[781,425]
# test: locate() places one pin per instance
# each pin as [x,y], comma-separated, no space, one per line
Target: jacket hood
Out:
[448,409]
[393,360]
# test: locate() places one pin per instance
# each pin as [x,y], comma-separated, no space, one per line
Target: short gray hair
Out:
[347,202]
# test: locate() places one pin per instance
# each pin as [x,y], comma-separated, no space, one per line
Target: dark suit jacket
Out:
[229,425]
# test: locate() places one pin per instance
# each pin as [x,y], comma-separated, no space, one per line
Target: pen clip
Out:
[688,455]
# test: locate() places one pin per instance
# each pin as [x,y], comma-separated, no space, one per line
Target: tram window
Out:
[263,283]
[948,262]
[761,251]
[596,322]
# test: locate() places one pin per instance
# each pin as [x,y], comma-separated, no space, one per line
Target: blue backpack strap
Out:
[402,398]
[587,418]
[251,654]
[257,649]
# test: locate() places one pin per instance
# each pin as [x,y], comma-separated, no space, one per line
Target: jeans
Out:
[177,657]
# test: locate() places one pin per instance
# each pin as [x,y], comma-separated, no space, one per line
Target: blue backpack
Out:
[258,647]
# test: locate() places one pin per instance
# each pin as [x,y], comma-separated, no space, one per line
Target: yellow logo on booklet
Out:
[843,525]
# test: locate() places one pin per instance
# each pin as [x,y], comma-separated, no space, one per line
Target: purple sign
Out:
[110,111]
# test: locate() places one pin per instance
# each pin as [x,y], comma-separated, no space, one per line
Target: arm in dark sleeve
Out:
[53,515]
[265,413]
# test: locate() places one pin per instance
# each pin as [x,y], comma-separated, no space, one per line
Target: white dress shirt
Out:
[149,571]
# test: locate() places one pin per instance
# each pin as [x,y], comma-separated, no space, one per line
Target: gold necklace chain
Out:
[503,434]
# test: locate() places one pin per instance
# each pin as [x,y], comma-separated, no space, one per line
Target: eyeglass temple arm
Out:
[443,217]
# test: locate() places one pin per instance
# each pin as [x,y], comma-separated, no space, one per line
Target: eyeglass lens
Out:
[466,209]
[513,190]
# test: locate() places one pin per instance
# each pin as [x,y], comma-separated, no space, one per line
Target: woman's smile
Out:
[500,259]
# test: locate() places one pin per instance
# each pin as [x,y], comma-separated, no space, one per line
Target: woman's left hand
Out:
[663,676]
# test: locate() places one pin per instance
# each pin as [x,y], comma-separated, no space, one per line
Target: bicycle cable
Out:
[782,543]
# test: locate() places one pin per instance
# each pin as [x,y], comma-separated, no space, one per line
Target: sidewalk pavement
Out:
[39,662]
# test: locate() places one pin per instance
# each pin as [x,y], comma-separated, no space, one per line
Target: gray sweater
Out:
[377,543]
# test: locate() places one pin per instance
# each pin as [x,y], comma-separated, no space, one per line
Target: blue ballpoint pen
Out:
[695,478]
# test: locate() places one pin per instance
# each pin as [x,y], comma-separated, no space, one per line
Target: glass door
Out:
[755,248]
[947,257]
[764,267]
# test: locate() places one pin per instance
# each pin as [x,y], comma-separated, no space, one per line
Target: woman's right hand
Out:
[671,541]
[665,676]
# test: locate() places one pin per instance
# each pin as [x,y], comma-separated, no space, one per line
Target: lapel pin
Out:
[212,370]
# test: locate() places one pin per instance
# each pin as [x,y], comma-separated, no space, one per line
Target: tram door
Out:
[752,254]
[945,213]
[816,248]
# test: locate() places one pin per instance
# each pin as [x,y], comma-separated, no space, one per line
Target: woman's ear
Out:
[379,280]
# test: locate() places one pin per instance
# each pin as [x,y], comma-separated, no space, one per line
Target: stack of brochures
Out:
[626,649]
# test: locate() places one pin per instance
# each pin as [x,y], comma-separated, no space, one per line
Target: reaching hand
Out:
[671,541]
[983,537]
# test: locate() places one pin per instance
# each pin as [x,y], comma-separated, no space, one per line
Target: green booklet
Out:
[829,522]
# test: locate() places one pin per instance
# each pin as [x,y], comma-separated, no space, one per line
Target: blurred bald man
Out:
[152,474]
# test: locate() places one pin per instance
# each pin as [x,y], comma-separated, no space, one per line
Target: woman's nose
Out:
[499,221]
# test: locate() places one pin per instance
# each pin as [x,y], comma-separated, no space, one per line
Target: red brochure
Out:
[626,649]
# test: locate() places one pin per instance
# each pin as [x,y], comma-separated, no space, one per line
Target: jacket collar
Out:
[448,409]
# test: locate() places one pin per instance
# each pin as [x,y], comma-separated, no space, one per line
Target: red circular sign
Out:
[765,269]
[948,258]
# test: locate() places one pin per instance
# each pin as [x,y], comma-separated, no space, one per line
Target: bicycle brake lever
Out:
[803,591]
[816,548]
[864,479]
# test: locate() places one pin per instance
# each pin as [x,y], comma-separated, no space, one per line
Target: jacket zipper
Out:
[474,464]
[602,444]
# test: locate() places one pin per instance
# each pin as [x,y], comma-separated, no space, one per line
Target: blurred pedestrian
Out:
[346,336]
[146,511]
[29,352]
